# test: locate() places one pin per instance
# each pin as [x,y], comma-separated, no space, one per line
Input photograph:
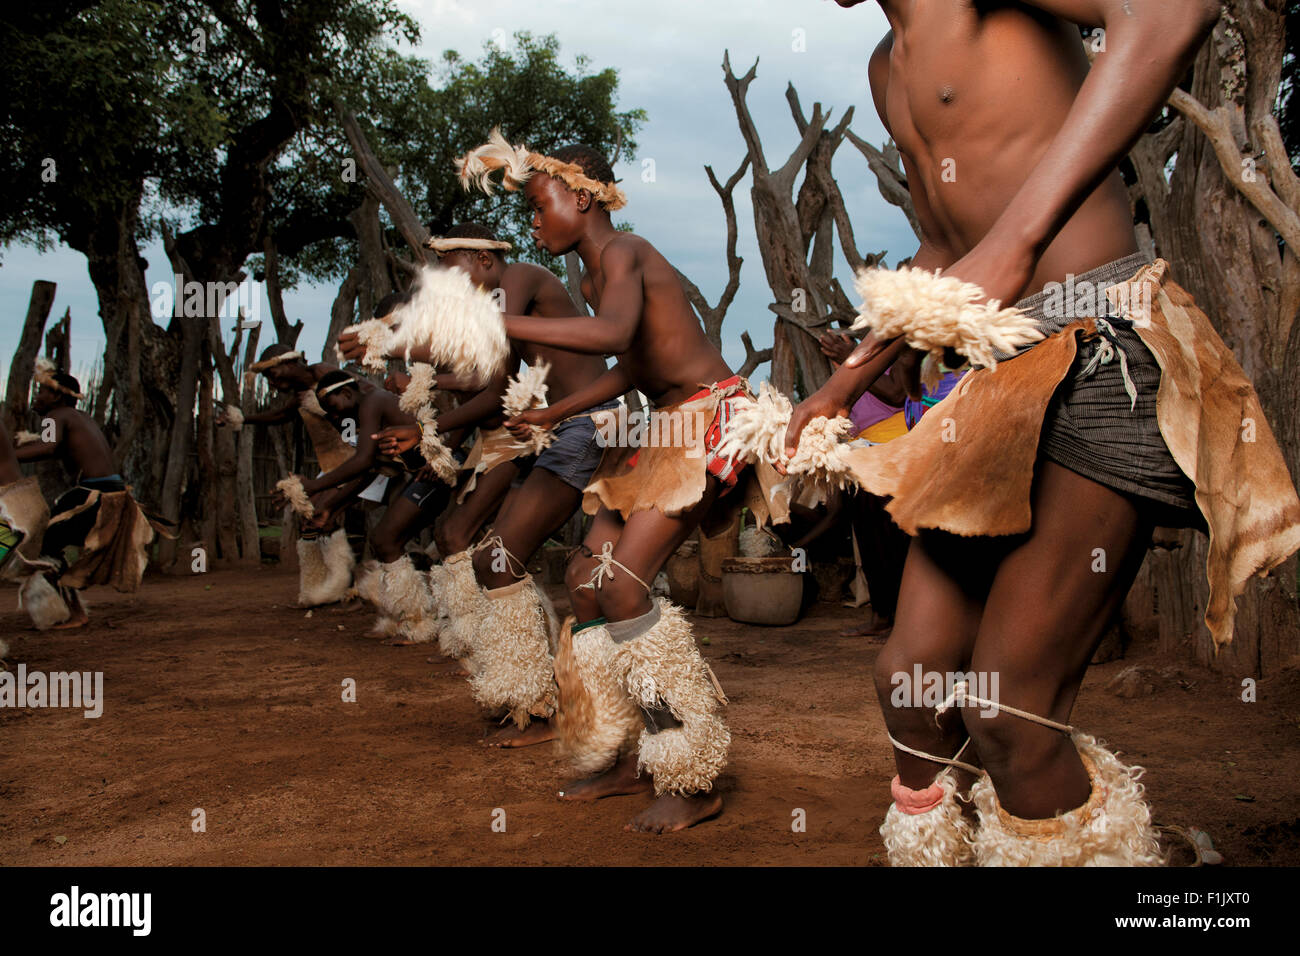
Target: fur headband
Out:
[44,376]
[451,245]
[277,360]
[519,163]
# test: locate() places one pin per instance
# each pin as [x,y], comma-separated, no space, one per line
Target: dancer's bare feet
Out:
[620,779]
[671,812]
[875,626]
[79,619]
[538,732]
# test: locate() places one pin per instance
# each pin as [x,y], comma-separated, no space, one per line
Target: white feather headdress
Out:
[757,433]
[526,391]
[934,312]
[517,165]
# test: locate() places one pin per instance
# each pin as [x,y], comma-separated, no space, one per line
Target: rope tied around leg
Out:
[952,761]
[605,564]
[494,541]
[961,695]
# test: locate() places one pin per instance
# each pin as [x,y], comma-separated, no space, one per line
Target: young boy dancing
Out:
[1032,489]
[636,659]
[513,634]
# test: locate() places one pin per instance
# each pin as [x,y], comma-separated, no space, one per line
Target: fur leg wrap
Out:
[516,672]
[460,597]
[403,596]
[44,603]
[660,668]
[595,719]
[1113,828]
[324,569]
[926,827]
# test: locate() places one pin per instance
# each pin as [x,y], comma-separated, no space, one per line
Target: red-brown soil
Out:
[220,695]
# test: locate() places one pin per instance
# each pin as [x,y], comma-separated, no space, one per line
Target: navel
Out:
[947,94]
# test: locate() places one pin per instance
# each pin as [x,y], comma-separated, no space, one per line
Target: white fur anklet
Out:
[662,670]
[1113,828]
[926,827]
[514,651]
[595,720]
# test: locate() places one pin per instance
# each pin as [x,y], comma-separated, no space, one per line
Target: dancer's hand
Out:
[397,439]
[350,346]
[836,346]
[1001,267]
[829,401]
[519,425]
[396,382]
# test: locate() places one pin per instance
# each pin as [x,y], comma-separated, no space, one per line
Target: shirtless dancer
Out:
[511,637]
[1002,94]
[637,657]
[98,514]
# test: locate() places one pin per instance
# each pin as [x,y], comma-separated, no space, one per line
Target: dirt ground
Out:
[222,696]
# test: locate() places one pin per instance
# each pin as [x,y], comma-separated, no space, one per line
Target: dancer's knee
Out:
[622,598]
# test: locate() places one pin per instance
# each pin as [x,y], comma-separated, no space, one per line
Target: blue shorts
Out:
[575,454]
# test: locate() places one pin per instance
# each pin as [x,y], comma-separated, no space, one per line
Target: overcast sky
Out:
[668,55]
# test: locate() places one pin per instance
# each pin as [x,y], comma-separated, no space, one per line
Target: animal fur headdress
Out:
[453,243]
[518,164]
[44,376]
[275,360]
[459,322]
[935,312]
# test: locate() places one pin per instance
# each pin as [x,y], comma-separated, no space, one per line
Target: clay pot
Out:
[762,590]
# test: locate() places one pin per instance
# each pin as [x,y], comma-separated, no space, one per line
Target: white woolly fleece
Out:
[292,488]
[516,671]
[938,837]
[663,666]
[596,720]
[1112,829]
[324,569]
[419,391]
[435,451]
[757,433]
[527,391]
[458,321]
[462,601]
[404,597]
[935,312]
[42,601]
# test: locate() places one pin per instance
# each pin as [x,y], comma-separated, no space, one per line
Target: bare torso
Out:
[670,357]
[973,100]
[83,449]
[533,290]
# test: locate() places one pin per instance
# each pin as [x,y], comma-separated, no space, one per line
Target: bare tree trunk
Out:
[1218,218]
[24,363]
[805,303]
[381,184]
[250,538]
[285,333]
[58,342]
